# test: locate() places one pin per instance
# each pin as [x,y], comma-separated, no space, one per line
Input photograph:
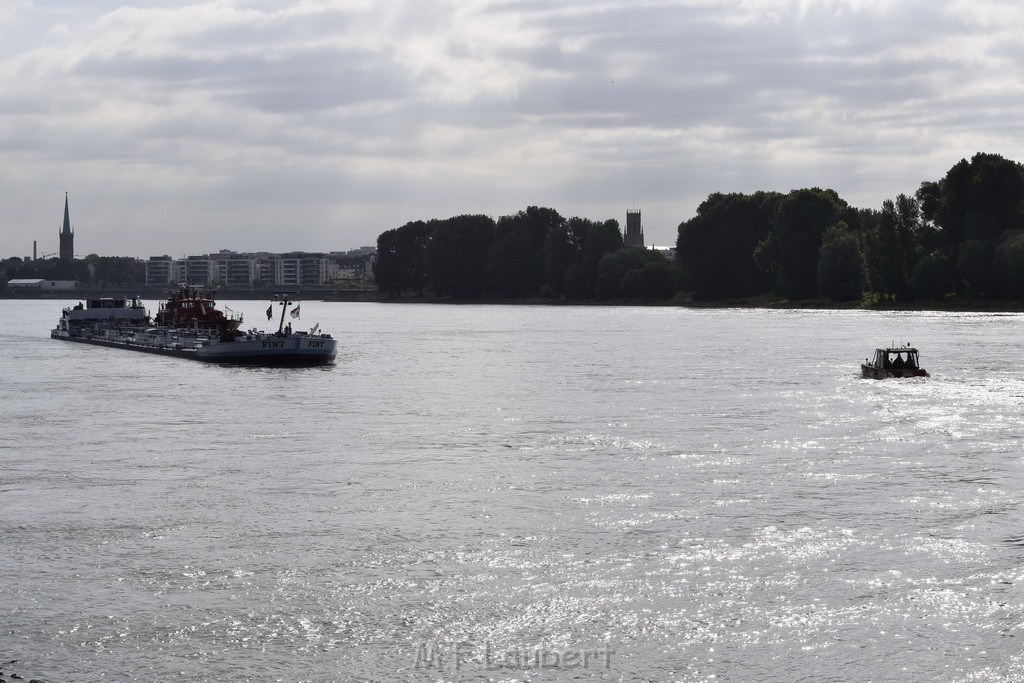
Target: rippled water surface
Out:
[519,493]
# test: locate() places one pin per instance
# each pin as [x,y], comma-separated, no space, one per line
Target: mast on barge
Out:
[284,301]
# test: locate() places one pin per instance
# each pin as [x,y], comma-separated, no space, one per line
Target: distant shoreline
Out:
[953,304]
[238,294]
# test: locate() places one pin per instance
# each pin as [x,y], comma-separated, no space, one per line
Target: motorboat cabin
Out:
[900,361]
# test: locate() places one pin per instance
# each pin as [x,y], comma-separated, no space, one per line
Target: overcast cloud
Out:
[316,124]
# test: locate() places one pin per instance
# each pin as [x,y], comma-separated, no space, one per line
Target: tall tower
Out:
[67,238]
[634,236]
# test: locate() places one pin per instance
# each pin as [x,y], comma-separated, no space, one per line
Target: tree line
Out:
[962,234]
[95,270]
[533,253]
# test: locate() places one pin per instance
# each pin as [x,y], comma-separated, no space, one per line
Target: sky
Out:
[314,125]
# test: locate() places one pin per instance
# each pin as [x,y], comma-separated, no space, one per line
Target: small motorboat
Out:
[898,361]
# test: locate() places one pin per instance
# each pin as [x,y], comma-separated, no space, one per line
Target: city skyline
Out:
[66,249]
[303,126]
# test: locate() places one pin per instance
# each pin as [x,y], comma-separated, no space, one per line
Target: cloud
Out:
[222,123]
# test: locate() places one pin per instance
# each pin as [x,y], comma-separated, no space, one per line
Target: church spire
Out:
[66,230]
[67,238]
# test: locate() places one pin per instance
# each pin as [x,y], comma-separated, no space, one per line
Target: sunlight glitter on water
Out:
[486,479]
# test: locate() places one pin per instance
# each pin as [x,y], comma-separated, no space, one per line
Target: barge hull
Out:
[289,357]
[159,350]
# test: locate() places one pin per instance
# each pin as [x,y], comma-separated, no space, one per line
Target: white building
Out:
[238,270]
[242,270]
[37,284]
[201,271]
[162,271]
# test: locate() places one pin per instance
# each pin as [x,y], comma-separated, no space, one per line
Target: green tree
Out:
[513,266]
[658,279]
[401,259]
[715,248]
[517,264]
[563,247]
[114,271]
[387,271]
[974,266]
[8,267]
[624,267]
[908,230]
[791,250]
[894,239]
[841,265]
[932,277]
[45,269]
[889,269]
[972,206]
[581,277]
[457,255]
[413,238]
[1009,259]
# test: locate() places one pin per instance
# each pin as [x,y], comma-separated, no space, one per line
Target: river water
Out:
[519,493]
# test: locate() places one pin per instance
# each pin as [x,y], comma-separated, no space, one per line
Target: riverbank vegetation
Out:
[534,253]
[959,238]
[91,271]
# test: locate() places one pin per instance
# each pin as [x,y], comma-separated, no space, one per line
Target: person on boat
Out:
[910,364]
[898,363]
